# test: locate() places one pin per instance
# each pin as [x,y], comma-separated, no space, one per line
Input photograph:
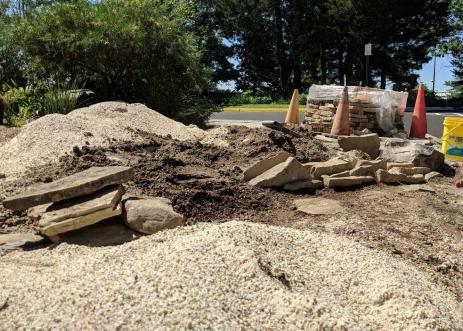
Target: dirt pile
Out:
[231,276]
[43,141]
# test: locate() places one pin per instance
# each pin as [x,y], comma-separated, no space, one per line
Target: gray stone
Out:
[18,241]
[368,143]
[375,164]
[318,206]
[287,172]
[303,185]
[347,181]
[150,215]
[362,171]
[386,177]
[421,155]
[410,171]
[82,183]
[262,166]
[330,167]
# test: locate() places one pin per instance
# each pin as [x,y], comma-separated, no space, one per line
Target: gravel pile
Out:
[43,141]
[225,277]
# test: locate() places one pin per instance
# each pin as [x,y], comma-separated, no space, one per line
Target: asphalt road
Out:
[435,119]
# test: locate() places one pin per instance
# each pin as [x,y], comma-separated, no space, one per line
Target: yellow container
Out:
[452,138]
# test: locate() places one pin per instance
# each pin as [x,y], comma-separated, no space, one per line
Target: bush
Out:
[26,104]
[246,98]
[136,51]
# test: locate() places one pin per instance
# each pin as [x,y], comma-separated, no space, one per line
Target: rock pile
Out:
[91,196]
[415,165]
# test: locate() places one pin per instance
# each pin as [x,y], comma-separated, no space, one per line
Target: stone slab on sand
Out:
[12,241]
[318,206]
[79,184]
[52,230]
[335,182]
[232,276]
[105,198]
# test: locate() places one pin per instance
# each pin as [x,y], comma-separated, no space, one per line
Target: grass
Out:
[277,108]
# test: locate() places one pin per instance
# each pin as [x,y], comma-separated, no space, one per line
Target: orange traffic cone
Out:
[419,123]
[292,117]
[341,124]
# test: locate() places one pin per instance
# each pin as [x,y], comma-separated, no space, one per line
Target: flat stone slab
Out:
[330,167]
[280,175]
[410,171]
[386,177]
[54,229]
[375,164]
[107,197]
[17,241]
[331,182]
[303,185]
[318,206]
[418,188]
[262,166]
[79,184]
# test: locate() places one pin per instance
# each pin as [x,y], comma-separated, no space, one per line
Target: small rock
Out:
[386,177]
[330,167]
[287,172]
[375,164]
[262,166]
[150,215]
[347,181]
[318,206]
[341,174]
[303,185]
[432,175]
[391,165]
[368,143]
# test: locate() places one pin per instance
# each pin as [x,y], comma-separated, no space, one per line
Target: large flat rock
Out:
[331,182]
[18,241]
[369,144]
[287,172]
[54,229]
[330,167]
[79,184]
[107,197]
[318,206]
[262,166]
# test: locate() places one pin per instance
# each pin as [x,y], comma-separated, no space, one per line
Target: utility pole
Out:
[368,53]
[434,75]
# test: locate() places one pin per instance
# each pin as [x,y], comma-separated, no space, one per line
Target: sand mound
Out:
[225,277]
[43,141]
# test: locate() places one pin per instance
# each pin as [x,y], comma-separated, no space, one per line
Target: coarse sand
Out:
[44,140]
[230,276]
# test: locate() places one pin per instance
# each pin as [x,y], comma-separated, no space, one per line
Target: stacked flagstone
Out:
[76,201]
[364,110]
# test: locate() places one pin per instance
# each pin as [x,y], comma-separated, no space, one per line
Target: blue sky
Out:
[443,73]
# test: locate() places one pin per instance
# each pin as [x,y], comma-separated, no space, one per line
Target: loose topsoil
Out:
[205,184]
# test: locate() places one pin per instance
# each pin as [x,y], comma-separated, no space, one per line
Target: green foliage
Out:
[26,104]
[246,97]
[137,51]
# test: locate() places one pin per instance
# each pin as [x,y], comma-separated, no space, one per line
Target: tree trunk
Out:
[280,46]
[348,69]
[322,65]
[341,66]
[383,80]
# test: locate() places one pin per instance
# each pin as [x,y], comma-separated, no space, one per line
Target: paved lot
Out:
[435,119]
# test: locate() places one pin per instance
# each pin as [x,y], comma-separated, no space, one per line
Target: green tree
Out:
[137,51]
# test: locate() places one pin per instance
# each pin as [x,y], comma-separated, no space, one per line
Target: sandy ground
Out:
[417,234]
